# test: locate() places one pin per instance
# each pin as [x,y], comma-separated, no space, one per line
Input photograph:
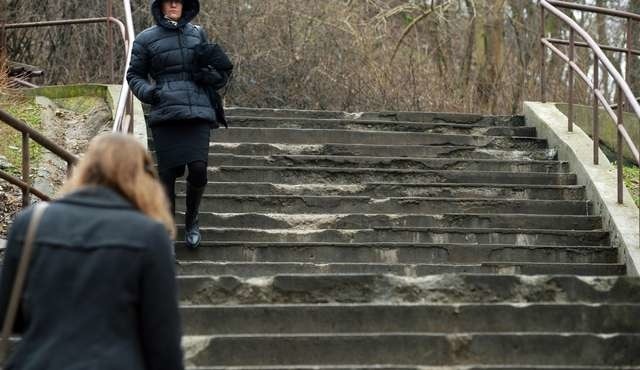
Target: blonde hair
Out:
[120,163]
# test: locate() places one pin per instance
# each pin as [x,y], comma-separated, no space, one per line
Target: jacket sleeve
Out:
[12,255]
[159,315]
[137,74]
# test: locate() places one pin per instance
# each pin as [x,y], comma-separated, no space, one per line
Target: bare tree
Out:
[446,55]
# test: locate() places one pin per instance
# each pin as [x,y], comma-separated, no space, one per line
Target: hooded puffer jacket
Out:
[165,53]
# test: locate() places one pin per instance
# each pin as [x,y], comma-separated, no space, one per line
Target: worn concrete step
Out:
[425,151]
[351,176]
[255,269]
[427,206]
[392,253]
[391,289]
[459,118]
[383,190]
[412,349]
[394,318]
[457,164]
[364,221]
[382,125]
[518,237]
[314,136]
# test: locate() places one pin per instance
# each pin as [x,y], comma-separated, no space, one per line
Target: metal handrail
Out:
[603,47]
[30,133]
[595,9]
[123,121]
[124,113]
[65,22]
[624,91]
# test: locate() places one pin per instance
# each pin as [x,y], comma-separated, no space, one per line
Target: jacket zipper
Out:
[180,34]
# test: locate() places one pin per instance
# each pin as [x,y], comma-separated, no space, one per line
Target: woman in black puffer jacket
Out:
[181,113]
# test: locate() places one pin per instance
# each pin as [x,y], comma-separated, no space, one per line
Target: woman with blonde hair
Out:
[100,292]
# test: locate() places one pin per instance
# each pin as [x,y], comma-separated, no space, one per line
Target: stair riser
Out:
[389,126]
[320,205]
[440,289]
[410,319]
[418,349]
[282,221]
[293,136]
[283,175]
[268,269]
[425,117]
[437,254]
[388,163]
[397,190]
[389,236]
[383,151]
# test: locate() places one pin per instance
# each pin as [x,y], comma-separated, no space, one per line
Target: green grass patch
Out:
[632,181]
[25,109]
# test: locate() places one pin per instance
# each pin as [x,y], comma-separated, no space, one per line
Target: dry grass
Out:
[329,54]
[476,56]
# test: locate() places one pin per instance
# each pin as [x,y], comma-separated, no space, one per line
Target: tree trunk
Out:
[490,52]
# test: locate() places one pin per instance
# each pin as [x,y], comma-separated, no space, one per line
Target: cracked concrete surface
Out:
[390,289]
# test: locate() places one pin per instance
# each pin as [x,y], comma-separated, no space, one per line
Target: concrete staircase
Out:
[398,241]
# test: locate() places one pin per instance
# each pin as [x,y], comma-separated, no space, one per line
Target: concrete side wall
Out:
[622,221]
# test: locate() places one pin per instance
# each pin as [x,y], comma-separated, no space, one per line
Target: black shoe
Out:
[192,235]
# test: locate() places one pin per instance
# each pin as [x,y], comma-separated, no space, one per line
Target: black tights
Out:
[196,177]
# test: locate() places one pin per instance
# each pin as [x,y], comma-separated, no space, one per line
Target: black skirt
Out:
[178,143]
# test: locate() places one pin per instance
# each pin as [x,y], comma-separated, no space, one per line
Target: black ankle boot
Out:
[192,235]
[172,204]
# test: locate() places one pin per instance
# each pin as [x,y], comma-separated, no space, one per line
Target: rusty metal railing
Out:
[27,134]
[624,93]
[124,113]
[123,121]
[108,20]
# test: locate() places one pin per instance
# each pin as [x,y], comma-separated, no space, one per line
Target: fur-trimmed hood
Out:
[190,9]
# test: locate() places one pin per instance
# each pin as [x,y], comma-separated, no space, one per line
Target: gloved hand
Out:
[210,77]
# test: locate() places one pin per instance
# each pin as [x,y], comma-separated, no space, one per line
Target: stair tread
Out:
[367,169]
[422,151]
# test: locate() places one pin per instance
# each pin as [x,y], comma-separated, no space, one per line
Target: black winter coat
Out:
[165,52]
[101,289]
